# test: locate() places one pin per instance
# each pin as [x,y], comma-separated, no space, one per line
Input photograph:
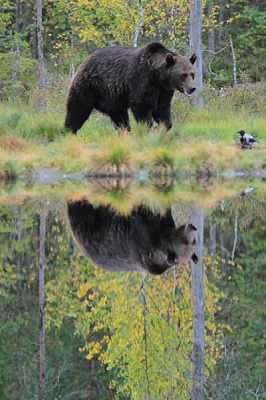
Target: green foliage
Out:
[241,372]
[68,373]
[72,30]
[11,120]
[17,67]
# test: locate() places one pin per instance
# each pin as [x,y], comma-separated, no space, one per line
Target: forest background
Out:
[72,30]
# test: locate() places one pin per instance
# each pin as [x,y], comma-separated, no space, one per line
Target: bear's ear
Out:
[194,258]
[193,58]
[169,59]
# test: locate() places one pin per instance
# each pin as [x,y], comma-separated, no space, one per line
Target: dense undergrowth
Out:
[202,140]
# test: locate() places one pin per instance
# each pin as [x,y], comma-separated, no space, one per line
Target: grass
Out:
[202,141]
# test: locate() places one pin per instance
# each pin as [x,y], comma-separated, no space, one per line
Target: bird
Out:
[247,190]
[246,139]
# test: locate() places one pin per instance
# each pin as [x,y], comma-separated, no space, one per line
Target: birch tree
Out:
[197,277]
[42,300]
[195,45]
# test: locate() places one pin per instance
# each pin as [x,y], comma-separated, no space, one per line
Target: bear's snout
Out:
[191,90]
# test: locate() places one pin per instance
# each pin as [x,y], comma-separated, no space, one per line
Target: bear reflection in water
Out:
[143,240]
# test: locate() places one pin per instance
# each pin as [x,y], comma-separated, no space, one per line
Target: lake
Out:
[104,296]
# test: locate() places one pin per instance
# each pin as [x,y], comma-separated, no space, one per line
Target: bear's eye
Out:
[194,241]
[183,76]
[193,76]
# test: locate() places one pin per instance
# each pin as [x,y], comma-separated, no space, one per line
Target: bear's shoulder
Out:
[155,47]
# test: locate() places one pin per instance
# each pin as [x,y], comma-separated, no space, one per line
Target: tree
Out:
[42,299]
[41,99]
[195,45]
[197,279]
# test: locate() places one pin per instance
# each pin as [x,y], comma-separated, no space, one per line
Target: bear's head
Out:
[179,73]
[176,245]
[183,245]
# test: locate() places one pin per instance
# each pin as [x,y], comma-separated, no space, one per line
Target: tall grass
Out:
[200,139]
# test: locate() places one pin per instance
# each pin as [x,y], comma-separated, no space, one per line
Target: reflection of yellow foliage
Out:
[150,324]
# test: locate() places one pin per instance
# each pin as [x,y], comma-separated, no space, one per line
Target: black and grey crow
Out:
[246,139]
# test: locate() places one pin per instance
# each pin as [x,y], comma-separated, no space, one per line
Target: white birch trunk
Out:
[195,45]
[42,300]
[197,274]
[137,30]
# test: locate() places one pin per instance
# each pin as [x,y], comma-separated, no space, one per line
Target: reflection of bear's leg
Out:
[78,111]
[163,116]
[121,120]
[142,113]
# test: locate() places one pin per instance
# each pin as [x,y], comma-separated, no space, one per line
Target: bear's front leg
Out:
[162,113]
[142,113]
[163,116]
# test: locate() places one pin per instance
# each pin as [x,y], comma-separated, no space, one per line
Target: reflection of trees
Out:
[67,371]
[42,298]
[197,280]
[140,328]
[240,261]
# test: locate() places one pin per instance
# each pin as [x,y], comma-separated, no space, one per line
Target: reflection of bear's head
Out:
[141,241]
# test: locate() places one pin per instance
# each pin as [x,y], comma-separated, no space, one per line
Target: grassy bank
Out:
[202,141]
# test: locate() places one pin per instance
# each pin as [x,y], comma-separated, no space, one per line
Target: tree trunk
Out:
[72,68]
[212,246]
[42,299]
[41,99]
[145,330]
[221,21]
[195,44]
[197,274]
[137,30]
[18,16]
[211,35]
[20,227]
[223,262]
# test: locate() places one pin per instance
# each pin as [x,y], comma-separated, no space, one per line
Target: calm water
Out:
[117,331]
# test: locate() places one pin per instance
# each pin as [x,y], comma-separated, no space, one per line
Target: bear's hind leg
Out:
[78,110]
[121,120]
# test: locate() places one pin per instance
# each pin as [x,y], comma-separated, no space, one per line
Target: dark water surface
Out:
[119,290]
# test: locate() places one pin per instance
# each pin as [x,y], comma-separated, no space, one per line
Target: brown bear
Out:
[114,79]
[144,240]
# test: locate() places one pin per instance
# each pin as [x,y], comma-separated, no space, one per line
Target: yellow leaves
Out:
[96,346]
[83,289]
[146,322]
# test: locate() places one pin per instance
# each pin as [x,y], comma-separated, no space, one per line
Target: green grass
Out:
[200,141]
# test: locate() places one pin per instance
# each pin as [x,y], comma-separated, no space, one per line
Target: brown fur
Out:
[114,79]
[141,241]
